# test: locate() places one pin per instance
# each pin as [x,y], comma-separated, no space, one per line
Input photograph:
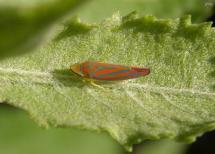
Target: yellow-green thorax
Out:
[76,68]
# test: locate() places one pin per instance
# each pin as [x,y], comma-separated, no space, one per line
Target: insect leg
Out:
[92,82]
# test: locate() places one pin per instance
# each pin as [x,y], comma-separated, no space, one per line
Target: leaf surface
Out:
[175,101]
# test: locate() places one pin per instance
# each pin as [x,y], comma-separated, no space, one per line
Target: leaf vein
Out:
[47,78]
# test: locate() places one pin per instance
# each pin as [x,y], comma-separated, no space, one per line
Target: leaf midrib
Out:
[47,78]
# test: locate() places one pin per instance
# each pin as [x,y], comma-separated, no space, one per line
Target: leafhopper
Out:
[107,72]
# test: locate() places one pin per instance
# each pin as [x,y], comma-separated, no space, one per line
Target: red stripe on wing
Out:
[104,71]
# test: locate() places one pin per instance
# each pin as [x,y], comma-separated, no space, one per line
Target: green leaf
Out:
[97,10]
[175,101]
[29,138]
[25,24]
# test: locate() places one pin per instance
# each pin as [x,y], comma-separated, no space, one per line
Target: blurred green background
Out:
[20,135]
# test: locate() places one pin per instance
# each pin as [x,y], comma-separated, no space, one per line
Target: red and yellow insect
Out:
[107,72]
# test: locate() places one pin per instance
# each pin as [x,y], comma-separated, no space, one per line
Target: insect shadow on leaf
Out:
[67,78]
[70,79]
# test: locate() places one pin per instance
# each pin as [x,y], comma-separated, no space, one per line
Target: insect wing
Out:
[104,71]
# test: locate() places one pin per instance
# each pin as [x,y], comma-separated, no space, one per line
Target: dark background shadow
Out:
[204,145]
[212,17]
